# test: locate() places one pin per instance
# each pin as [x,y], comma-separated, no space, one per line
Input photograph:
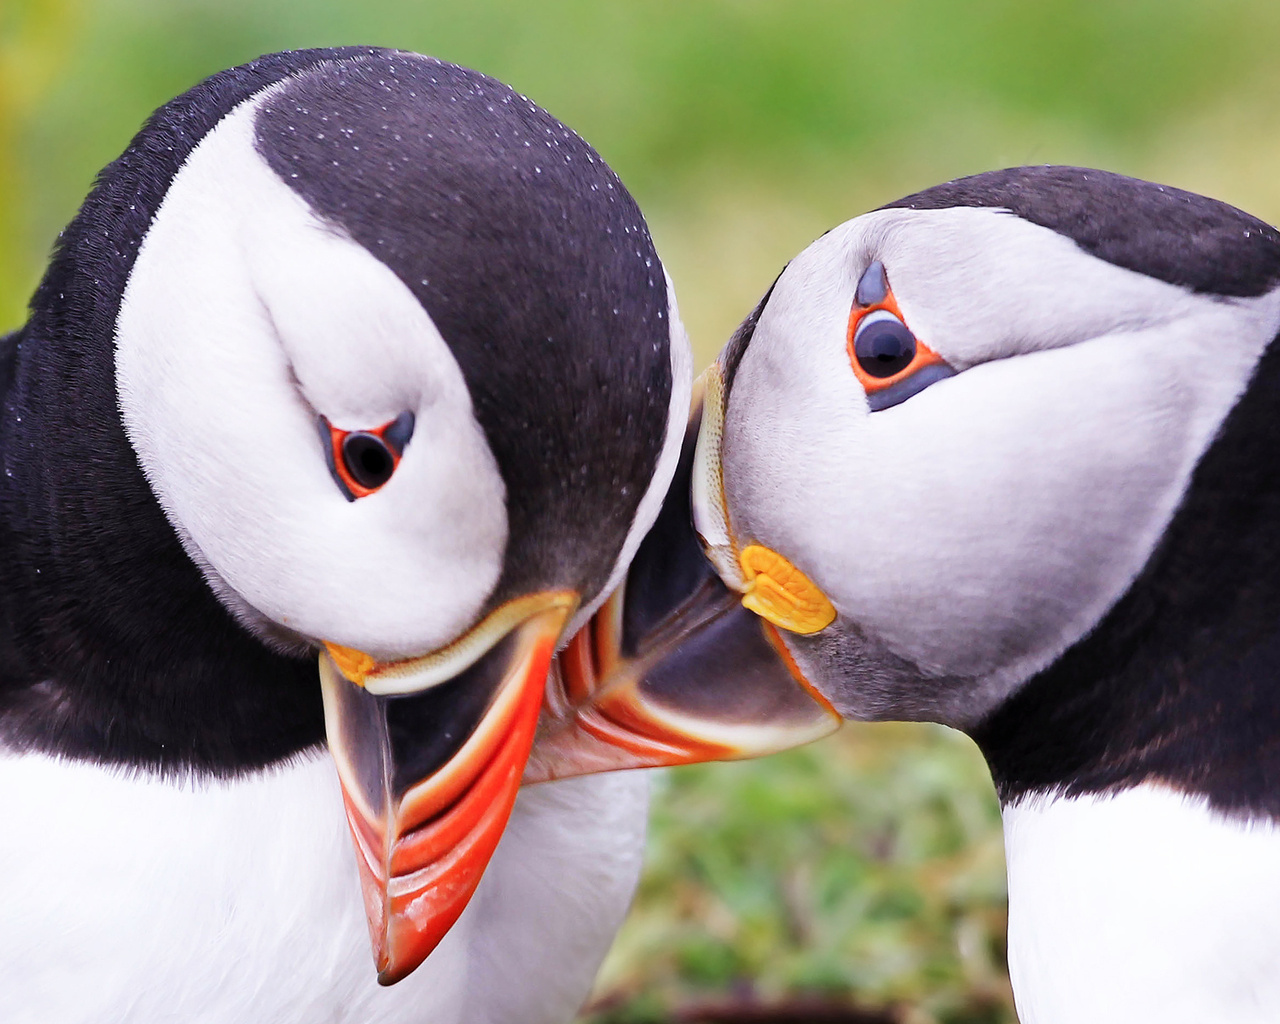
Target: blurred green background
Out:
[867,869]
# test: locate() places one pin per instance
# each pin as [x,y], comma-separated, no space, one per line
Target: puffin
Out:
[1004,455]
[347,396]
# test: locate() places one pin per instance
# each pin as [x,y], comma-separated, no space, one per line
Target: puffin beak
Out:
[430,753]
[685,661]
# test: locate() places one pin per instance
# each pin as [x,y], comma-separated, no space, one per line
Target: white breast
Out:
[128,899]
[1142,907]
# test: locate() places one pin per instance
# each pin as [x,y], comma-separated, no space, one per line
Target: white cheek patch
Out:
[244,318]
[984,525]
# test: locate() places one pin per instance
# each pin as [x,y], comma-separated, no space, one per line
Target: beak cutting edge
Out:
[430,753]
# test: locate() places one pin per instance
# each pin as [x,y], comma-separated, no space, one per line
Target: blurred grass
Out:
[867,867]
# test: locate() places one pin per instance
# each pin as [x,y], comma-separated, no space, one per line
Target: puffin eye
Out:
[883,345]
[890,362]
[368,459]
[361,461]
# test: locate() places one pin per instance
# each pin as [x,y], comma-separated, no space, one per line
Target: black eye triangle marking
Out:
[398,433]
[873,286]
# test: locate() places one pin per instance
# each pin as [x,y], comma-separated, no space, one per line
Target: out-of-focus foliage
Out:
[868,865]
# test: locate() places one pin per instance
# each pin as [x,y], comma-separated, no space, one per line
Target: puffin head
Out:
[954,432]
[394,354]
[966,420]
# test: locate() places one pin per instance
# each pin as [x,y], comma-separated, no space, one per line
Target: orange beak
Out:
[725,689]
[429,776]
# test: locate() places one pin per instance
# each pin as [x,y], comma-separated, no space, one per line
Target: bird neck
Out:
[1178,682]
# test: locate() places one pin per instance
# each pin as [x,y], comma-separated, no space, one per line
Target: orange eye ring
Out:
[888,360]
[362,461]
[923,356]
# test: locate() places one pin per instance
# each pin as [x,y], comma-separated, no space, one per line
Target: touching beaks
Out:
[685,661]
[430,752]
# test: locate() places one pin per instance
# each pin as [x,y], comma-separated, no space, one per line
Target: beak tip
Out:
[395,964]
[388,977]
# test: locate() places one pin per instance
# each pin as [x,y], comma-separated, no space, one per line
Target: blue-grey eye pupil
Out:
[884,346]
[368,459]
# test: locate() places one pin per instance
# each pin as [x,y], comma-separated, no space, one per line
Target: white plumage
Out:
[1144,905]
[131,899]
